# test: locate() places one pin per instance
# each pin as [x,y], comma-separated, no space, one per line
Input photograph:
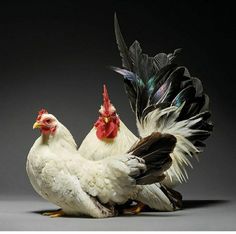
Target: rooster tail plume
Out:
[165,98]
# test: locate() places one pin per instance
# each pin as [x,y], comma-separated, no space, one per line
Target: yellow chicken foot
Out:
[54,214]
[134,209]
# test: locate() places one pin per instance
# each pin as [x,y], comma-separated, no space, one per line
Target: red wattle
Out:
[107,130]
[46,130]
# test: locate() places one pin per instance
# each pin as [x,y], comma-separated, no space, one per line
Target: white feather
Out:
[62,176]
[95,149]
[164,121]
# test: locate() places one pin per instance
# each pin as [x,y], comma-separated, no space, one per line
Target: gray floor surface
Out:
[24,213]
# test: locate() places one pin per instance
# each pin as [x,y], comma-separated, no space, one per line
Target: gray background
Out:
[56,56]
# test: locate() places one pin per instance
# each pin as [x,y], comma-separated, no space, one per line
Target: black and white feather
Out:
[165,98]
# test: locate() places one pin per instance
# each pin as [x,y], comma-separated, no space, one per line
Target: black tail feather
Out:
[159,83]
[155,150]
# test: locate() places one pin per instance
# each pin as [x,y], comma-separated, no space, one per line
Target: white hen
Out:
[84,187]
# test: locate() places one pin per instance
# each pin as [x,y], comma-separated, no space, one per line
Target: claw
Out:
[54,214]
[135,209]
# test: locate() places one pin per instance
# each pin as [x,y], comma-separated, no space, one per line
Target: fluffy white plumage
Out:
[60,175]
[184,149]
[95,149]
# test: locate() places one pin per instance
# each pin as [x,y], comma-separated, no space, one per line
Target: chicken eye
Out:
[48,121]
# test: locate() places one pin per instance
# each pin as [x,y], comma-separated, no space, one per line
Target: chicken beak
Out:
[106,120]
[36,125]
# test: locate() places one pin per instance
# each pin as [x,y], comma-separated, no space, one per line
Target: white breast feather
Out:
[95,149]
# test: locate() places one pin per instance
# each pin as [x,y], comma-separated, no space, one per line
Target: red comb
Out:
[41,112]
[106,100]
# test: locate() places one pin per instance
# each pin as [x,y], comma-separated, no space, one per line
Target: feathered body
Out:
[101,143]
[84,187]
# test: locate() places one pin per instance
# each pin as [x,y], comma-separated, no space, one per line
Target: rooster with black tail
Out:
[110,136]
[166,98]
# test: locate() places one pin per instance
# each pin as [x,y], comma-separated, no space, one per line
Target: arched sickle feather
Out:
[126,74]
[124,52]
